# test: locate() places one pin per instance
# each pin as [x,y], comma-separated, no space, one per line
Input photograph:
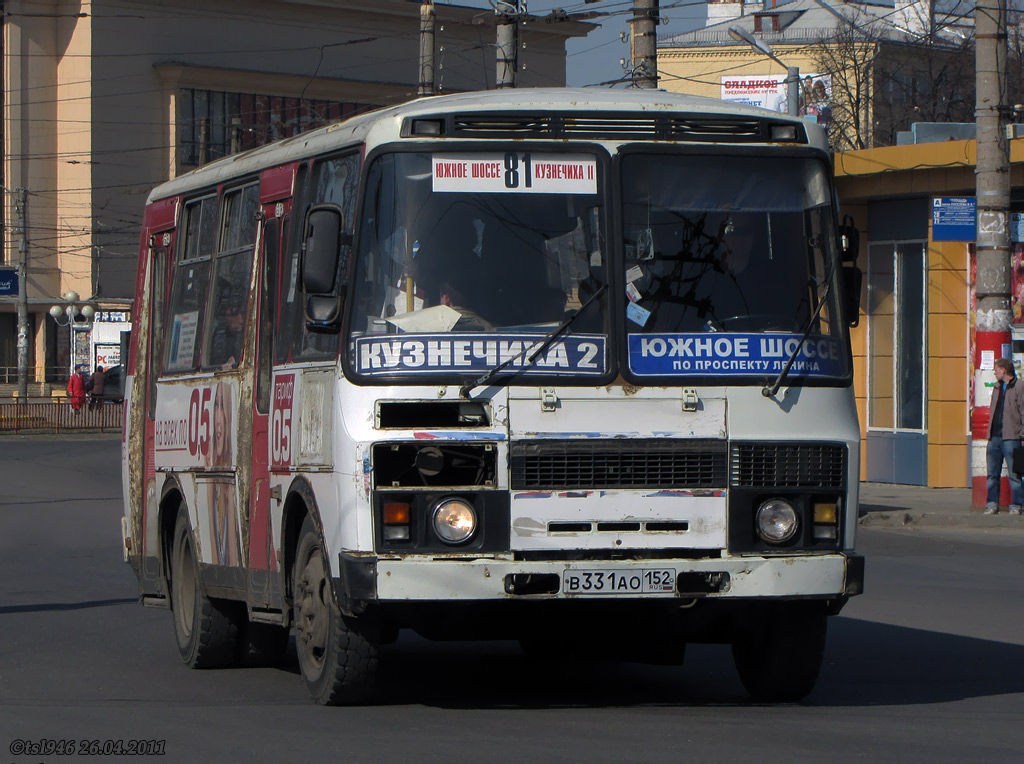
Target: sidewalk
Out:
[907,506]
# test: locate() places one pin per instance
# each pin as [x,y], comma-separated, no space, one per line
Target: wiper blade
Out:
[768,391]
[534,351]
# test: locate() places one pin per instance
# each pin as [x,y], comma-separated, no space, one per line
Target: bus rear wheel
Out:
[778,658]
[337,653]
[206,629]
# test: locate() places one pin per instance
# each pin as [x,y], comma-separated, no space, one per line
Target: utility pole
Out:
[992,177]
[427,48]
[508,41]
[643,43]
[22,230]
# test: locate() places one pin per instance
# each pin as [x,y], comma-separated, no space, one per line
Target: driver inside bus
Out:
[457,291]
[226,339]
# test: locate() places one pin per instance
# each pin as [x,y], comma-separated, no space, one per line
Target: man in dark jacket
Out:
[1005,428]
[98,380]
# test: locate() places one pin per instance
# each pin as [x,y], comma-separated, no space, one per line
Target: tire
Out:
[206,629]
[337,653]
[778,660]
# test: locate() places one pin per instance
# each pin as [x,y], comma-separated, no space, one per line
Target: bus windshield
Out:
[468,259]
[727,259]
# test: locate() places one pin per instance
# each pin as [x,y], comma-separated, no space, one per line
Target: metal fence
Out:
[57,416]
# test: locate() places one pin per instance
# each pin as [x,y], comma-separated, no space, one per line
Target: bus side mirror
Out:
[321,280]
[851,281]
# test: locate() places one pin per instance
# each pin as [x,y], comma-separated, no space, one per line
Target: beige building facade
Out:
[104,100]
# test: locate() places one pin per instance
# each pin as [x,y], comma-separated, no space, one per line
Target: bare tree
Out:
[922,81]
[882,85]
[848,59]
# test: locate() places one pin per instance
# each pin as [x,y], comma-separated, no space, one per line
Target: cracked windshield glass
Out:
[467,260]
[727,261]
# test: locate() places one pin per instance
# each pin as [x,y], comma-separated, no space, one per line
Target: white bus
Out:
[570,367]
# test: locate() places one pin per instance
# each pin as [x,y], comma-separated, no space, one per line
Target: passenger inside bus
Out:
[229,329]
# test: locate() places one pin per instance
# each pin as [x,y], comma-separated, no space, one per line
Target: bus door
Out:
[148,338]
[264,587]
[276,188]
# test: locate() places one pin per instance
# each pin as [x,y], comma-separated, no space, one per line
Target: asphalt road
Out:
[928,665]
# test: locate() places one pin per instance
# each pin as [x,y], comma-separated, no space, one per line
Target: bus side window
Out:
[334,181]
[289,304]
[189,286]
[267,311]
[157,315]
[232,268]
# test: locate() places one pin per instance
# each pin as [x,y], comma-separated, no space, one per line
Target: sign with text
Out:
[954,218]
[733,355]
[576,355]
[8,282]
[106,355]
[515,173]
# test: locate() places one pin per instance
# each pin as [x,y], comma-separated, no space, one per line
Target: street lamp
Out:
[792,72]
[66,315]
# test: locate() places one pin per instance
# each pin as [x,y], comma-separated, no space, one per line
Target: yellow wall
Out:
[933,169]
[699,71]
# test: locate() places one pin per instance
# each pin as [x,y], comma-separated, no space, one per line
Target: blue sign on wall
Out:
[954,218]
[8,282]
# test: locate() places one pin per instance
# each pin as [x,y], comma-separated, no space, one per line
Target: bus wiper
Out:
[767,391]
[557,332]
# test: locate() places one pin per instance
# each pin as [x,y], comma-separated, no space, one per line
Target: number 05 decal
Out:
[281,439]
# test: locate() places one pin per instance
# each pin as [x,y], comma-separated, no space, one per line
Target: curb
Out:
[899,518]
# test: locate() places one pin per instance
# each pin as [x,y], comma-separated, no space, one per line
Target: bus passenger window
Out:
[231,276]
[189,286]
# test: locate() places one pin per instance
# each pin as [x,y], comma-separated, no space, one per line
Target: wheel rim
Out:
[312,623]
[185,586]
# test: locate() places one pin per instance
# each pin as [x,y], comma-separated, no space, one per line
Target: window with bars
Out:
[213,124]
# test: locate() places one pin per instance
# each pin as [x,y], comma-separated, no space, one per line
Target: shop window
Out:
[897,343]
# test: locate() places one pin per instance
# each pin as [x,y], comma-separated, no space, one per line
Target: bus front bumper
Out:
[366,578]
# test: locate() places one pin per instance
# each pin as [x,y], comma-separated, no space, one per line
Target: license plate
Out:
[619,581]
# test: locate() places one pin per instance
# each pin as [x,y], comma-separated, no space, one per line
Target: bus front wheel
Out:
[205,628]
[779,656]
[337,654]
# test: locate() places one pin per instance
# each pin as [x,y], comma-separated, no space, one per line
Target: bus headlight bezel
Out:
[454,521]
[777,521]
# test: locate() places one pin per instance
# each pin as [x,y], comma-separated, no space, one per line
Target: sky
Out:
[595,58]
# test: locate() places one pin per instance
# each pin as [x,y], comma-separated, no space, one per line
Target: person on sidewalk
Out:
[76,389]
[98,380]
[1005,428]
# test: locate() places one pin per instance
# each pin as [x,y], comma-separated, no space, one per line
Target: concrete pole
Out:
[643,43]
[793,91]
[508,50]
[992,176]
[427,48]
[22,227]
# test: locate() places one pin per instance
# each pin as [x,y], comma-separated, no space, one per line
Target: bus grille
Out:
[645,464]
[612,126]
[787,465]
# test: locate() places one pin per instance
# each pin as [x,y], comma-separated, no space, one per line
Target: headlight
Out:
[776,521]
[454,521]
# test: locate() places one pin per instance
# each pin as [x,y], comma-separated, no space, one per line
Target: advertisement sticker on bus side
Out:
[655,355]
[196,425]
